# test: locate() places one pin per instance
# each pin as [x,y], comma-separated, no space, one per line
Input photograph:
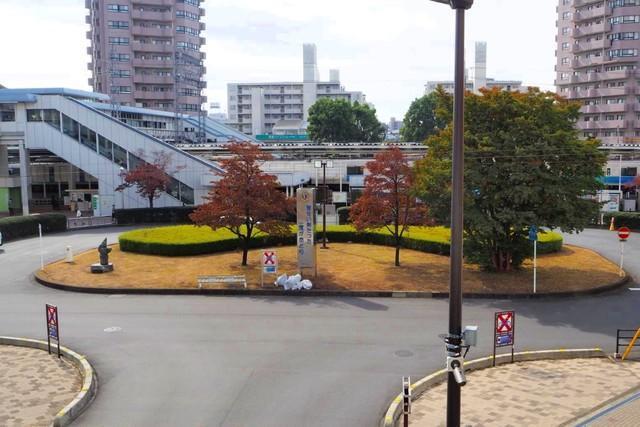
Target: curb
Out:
[89,379]
[394,411]
[325,293]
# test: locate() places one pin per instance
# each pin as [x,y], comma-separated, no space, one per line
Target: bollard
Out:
[406,399]
[68,254]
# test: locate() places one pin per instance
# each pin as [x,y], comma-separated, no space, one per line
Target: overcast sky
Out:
[386,48]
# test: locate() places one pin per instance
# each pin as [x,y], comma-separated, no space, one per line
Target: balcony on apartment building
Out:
[151,63]
[147,15]
[153,79]
[596,12]
[606,108]
[604,124]
[153,95]
[592,45]
[137,46]
[602,27]
[587,62]
[579,3]
[168,3]
[137,30]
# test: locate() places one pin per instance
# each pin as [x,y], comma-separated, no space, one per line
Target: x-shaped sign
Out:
[269,258]
[504,322]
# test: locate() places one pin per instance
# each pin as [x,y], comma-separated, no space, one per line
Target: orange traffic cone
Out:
[612,227]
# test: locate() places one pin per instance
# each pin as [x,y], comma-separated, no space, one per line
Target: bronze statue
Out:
[104,252]
[105,266]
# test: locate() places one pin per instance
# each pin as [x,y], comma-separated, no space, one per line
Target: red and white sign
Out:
[269,258]
[504,322]
[624,233]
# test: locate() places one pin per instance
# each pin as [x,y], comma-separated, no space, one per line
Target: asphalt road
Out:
[240,361]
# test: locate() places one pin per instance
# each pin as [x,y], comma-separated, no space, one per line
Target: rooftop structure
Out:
[476,78]
[256,108]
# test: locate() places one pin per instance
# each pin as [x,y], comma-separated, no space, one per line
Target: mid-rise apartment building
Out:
[476,78]
[146,53]
[256,108]
[597,65]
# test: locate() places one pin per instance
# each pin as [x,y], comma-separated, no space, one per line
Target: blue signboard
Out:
[533,233]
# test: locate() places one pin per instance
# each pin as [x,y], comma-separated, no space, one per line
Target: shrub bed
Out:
[15,227]
[185,240]
[170,215]
[623,219]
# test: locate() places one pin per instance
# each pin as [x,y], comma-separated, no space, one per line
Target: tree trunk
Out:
[501,261]
[245,251]
[398,254]
[151,202]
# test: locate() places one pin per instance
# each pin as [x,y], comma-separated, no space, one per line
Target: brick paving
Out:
[539,393]
[34,386]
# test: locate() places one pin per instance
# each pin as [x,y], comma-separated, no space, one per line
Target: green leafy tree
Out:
[367,128]
[524,165]
[337,120]
[421,121]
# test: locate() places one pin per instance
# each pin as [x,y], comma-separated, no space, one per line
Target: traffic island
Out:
[540,388]
[344,269]
[40,389]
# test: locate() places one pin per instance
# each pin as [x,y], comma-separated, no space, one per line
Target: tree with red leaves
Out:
[151,179]
[388,199]
[245,200]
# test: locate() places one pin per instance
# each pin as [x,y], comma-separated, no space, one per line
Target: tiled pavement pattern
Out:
[626,415]
[539,393]
[34,386]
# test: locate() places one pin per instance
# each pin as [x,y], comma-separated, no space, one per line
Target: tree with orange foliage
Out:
[245,200]
[151,179]
[388,200]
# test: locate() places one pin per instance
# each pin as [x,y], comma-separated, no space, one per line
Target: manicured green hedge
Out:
[170,215]
[623,219]
[188,240]
[15,227]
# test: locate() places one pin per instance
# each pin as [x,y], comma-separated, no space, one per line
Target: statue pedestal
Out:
[99,268]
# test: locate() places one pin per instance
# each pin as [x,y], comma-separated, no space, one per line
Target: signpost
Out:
[269,264]
[623,235]
[533,236]
[53,326]
[504,332]
[305,240]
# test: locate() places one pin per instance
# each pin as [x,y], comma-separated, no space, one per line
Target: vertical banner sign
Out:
[504,332]
[53,326]
[306,210]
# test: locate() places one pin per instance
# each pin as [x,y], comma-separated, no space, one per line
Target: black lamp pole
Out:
[454,339]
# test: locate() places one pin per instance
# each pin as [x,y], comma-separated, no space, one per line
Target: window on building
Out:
[52,118]
[118,24]
[105,147]
[88,137]
[70,127]
[117,8]
[119,155]
[617,53]
[34,115]
[626,19]
[7,113]
[119,40]
[565,46]
[120,57]
[135,161]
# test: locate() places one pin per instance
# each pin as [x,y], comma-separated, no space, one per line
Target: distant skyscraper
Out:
[146,53]
[597,63]
[477,79]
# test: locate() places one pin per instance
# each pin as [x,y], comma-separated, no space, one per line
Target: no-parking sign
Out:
[269,262]
[505,328]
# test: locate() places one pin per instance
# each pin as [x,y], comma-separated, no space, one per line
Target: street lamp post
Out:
[324,164]
[122,183]
[454,339]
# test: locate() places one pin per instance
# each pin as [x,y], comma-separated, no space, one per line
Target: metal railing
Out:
[89,221]
[623,339]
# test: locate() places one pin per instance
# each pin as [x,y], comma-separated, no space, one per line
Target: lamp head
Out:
[457,4]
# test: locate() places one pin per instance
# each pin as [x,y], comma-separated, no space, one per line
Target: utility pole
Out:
[324,164]
[453,340]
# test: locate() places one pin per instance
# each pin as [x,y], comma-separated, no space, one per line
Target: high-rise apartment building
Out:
[477,78]
[282,107]
[146,53]
[597,61]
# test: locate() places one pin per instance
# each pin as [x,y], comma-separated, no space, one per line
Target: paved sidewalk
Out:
[539,393]
[34,386]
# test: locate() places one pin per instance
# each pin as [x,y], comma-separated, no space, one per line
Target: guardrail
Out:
[624,337]
[89,221]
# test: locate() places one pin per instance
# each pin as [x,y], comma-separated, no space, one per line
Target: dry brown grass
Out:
[343,266]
